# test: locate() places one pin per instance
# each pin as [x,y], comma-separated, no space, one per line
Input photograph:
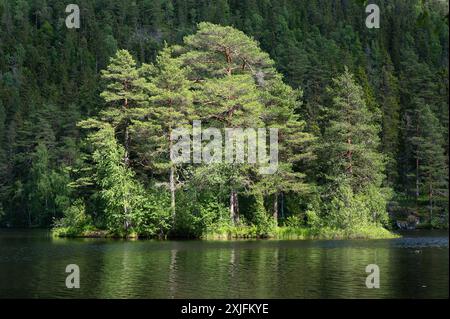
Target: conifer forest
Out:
[360,116]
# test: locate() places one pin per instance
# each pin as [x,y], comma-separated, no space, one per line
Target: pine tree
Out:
[171,108]
[50,79]
[229,68]
[124,94]
[295,144]
[216,51]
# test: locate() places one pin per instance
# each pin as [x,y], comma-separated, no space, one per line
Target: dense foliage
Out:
[86,114]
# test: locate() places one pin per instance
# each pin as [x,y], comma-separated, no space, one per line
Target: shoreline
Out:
[244,233]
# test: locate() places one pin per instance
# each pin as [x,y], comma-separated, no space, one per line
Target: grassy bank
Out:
[301,233]
[87,233]
[251,232]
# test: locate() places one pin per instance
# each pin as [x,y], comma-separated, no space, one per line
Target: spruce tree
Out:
[351,137]
[390,105]
[429,154]
[121,193]
[349,152]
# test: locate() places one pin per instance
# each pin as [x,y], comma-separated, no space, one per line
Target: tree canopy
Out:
[86,114]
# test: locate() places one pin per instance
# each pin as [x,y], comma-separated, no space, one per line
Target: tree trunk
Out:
[126,159]
[234,208]
[231,207]
[172,191]
[229,61]
[172,179]
[126,223]
[126,143]
[275,209]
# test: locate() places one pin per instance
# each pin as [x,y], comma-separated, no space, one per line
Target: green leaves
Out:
[128,207]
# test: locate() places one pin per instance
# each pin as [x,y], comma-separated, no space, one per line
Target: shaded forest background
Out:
[50,80]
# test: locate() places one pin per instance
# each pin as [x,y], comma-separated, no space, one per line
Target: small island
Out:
[128,184]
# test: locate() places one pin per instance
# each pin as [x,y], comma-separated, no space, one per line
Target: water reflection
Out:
[34,266]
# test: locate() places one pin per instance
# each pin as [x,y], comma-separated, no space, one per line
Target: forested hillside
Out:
[75,153]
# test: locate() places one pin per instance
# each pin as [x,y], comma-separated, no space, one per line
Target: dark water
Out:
[32,265]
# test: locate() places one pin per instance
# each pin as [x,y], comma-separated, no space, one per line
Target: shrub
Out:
[75,216]
[292,221]
[75,220]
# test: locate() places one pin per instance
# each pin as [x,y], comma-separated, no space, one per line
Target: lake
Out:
[32,265]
